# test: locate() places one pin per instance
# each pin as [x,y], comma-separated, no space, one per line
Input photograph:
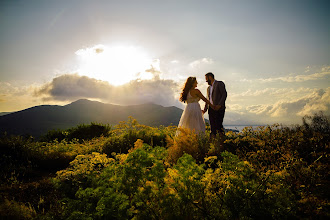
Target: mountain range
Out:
[37,120]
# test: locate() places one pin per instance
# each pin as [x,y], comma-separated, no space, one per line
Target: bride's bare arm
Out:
[200,95]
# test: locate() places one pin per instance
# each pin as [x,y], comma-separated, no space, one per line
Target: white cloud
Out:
[319,73]
[198,63]
[324,73]
[234,107]
[274,93]
[318,102]
[286,110]
[90,51]
[14,97]
[258,109]
[307,69]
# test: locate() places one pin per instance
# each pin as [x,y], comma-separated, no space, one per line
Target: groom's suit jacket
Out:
[219,95]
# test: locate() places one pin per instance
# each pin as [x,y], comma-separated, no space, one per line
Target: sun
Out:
[117,64]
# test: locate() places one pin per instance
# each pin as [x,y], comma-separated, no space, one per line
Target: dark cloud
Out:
[70,87]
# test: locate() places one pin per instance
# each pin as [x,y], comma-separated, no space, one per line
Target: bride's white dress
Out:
[192,117]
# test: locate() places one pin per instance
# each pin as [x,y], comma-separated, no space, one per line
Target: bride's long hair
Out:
[187,86]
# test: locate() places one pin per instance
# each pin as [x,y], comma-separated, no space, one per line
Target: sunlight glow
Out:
[116,64]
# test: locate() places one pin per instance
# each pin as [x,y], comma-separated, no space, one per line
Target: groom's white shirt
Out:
[211,91]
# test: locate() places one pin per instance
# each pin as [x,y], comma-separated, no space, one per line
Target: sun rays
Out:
[116,64]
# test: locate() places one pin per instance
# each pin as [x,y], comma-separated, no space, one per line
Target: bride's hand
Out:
[217,107]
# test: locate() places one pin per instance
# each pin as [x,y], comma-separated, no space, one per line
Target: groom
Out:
[216,94]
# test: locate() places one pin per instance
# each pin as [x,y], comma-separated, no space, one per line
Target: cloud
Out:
[319,74]
[14,96]
[234,107]
[70,87]
[307,69]
[99,50]
[73,86]
[9,89]
[317,101]
[274,93]
[198,63]
[258,109]
[325,72]
[285,110]
[91,50]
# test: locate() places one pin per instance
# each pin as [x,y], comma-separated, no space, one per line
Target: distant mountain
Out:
[38,120]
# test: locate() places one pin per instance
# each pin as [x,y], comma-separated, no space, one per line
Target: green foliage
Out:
[139,172]
[125,134]
[249,193]
[14,157]
[80,132]
[23,158]
[16,210]
[186,141]
[302,152]
[113,192]
[141,185]
[81,172]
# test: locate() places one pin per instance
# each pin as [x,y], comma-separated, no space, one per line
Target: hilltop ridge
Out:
[38,120]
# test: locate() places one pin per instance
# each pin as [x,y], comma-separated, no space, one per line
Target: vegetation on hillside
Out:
[133,171]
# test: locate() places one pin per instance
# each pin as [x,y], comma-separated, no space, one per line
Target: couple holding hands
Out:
[192,117]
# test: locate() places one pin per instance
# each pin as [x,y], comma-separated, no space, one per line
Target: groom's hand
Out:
[217,107]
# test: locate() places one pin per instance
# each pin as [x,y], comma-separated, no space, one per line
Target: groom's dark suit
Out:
[219,96]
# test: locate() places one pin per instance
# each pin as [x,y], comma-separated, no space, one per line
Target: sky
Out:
[273,56]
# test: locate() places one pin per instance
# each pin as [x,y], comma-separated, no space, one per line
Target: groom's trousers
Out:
[216,120]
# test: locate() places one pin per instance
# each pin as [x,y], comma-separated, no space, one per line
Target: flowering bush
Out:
[125,134]
[141,184]
[301,152]
[142,172]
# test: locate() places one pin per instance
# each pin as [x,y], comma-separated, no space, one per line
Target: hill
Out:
[4,113]
[38,120]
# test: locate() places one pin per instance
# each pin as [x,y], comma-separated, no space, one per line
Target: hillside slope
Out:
[38,120]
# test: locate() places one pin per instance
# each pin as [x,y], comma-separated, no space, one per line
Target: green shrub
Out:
[142,172]
[110,193]
[80,132]
[127,133]
[10,209]
[142,185]
[14,157]
[301,151]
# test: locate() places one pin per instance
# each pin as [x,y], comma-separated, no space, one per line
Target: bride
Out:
[192,116]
